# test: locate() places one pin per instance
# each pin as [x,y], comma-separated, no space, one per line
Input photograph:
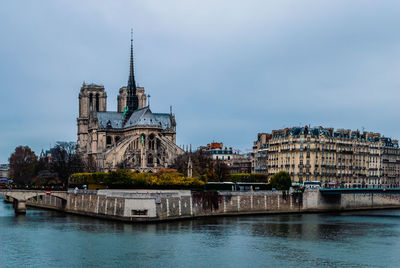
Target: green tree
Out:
[281,181]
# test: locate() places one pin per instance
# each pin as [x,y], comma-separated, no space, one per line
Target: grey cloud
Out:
[229,68]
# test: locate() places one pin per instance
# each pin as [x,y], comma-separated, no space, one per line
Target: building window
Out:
[109,140]
[97,102]
[90,101]
[139,212]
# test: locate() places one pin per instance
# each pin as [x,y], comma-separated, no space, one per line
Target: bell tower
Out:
[92,99]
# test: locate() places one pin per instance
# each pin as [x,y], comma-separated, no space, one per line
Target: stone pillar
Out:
[19,206]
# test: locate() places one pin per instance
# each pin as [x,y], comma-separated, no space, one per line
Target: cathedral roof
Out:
[113,119]
[141,117]
[164,119]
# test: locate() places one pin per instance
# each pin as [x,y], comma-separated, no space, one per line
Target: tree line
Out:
[52,169]
[55,168]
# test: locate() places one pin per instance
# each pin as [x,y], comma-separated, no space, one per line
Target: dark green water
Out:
[50,239]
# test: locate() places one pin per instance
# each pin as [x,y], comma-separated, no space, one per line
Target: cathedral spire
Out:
[132,101]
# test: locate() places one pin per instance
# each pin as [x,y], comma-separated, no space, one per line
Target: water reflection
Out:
[49,238]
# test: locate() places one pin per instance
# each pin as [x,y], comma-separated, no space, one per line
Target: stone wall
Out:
[150,205]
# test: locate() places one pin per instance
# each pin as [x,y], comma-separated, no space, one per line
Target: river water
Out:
[52,239]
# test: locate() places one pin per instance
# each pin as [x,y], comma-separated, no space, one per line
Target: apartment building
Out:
[339,157]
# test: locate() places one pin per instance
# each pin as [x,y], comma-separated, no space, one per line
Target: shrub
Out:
[281,181]
[128,179]
[249,177]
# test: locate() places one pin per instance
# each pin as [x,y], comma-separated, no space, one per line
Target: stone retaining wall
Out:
[151,205]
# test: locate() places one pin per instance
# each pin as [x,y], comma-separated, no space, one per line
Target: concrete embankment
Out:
[155,205]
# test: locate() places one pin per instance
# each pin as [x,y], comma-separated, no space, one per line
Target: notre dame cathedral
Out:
[133,137]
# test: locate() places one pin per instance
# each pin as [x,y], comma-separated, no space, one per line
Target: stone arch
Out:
[19,198]
[116,154]
[128,151]
[55,200]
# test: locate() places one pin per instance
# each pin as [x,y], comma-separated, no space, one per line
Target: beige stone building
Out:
[333,157]
[133,137]
[237,163]
[4,170]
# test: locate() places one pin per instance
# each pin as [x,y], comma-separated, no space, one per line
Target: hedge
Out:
[249,177]
[125,178]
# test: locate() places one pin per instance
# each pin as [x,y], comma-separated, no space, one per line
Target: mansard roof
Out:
[345,134]
[140,117]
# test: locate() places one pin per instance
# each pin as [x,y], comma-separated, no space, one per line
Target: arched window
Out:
[90,101]
[117,138]
[151,141]
[97,102]
[109,140]
[150,159]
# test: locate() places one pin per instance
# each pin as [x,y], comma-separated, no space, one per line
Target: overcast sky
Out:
[230,69]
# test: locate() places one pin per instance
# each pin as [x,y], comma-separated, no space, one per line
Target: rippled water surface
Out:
[51,239]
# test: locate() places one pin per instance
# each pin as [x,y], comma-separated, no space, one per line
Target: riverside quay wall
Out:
[154,205]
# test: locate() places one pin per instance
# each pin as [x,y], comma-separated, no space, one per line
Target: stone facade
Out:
[337,157]
[133,137]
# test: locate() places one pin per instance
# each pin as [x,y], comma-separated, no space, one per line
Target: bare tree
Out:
[65,161]
[203,165]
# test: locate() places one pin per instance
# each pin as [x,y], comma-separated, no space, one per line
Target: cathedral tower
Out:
[92,99]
